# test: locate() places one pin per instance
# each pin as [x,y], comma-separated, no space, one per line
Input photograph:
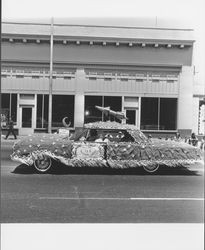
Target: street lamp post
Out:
[50,81]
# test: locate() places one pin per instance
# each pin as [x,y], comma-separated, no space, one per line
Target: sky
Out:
[101,8]
[164,13]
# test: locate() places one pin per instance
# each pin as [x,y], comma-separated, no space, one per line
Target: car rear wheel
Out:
[151,168]
[42,163]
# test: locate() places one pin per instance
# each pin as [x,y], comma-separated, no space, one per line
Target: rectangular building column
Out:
[80,82]
[195,116]
[185,101]
[79,110]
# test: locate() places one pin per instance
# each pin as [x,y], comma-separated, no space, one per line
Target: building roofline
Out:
[96,26]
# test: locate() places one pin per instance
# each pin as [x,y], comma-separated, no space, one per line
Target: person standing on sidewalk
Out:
[10,129]
[193,140]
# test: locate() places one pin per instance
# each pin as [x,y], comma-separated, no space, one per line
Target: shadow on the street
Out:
[24,169]
[60,169]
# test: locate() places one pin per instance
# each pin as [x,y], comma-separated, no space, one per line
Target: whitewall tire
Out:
[151,168]
[42,163]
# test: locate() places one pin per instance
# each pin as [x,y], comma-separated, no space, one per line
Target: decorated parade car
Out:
[103,144]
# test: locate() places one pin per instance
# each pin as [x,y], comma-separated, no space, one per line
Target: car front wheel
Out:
[151,168]
[42,163]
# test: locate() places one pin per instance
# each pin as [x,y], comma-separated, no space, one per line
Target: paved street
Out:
[99,195]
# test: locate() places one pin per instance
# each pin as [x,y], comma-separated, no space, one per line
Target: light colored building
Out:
[145,72]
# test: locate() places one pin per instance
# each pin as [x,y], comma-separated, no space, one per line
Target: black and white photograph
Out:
[102,124]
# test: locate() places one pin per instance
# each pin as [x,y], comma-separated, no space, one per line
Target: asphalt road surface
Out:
[100,195]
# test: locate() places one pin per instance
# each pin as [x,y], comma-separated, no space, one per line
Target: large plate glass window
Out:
[168,113]
[42,111]
[149,113]
[9,105]
[92,114]
[158,113]
[62,106]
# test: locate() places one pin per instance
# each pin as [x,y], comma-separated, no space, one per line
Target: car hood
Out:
[54,143]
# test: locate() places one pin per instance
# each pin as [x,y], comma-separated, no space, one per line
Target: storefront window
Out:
[9,105]
[62,106]
[115,103]
[5,101]
[14,107]
[92,114]
[39,111]
[42,111]
[45,111]
[149,113]
[158,113]
[168,113]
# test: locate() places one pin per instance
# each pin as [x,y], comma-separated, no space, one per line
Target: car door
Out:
[88,150]
[121,149]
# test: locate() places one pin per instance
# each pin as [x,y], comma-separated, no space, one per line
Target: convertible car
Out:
[103,144]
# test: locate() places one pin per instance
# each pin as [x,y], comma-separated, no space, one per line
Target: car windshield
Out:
[116,127]
[112,131]
[100,135]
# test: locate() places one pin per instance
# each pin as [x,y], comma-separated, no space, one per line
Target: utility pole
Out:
[50,81]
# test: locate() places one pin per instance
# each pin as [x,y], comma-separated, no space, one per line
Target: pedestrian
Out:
[193,140]
[10,129]
[202,146]
[177,136]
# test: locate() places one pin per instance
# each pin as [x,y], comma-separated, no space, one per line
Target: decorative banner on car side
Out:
[88,151]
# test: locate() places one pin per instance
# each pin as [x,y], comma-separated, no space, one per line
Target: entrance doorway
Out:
[26,120]
[132,116]
[26,117]
[131,107]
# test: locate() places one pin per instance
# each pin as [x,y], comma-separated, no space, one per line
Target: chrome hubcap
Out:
[151,168]
[42,163]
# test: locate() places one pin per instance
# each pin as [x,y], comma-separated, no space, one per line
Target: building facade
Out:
[145,72]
